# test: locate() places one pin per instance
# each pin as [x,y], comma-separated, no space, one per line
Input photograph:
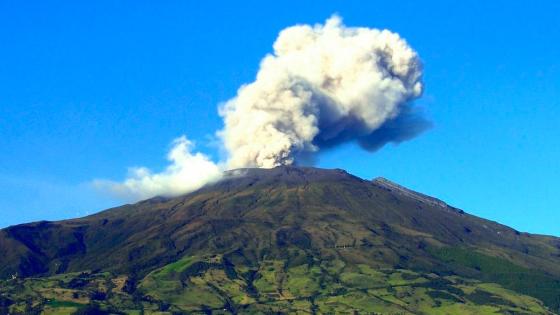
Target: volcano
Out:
[282,240]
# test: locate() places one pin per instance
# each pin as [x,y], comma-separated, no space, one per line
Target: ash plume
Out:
[322,86]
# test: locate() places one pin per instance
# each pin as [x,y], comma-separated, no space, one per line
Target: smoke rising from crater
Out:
[322,86]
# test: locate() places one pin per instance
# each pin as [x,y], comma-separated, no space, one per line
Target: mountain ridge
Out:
[409,192]
[291,217]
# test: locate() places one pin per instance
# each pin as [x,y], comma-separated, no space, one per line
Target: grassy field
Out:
[494,269]
[213,285]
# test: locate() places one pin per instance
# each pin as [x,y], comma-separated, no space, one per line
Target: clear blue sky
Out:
[89,89]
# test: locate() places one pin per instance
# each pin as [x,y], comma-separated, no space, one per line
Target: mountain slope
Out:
[287,218]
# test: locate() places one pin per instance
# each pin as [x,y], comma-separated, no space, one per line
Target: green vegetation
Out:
[197,284]
[494,269]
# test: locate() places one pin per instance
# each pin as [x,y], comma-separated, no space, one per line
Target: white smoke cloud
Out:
[322,85]
[187,172]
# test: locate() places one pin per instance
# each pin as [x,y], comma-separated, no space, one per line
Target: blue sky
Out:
[90,89]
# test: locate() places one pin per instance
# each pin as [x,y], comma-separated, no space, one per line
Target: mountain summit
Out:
[287,239]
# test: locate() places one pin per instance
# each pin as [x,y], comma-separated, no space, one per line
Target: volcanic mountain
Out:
[287,239]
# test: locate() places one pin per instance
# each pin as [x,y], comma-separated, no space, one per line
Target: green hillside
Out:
[215,285]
